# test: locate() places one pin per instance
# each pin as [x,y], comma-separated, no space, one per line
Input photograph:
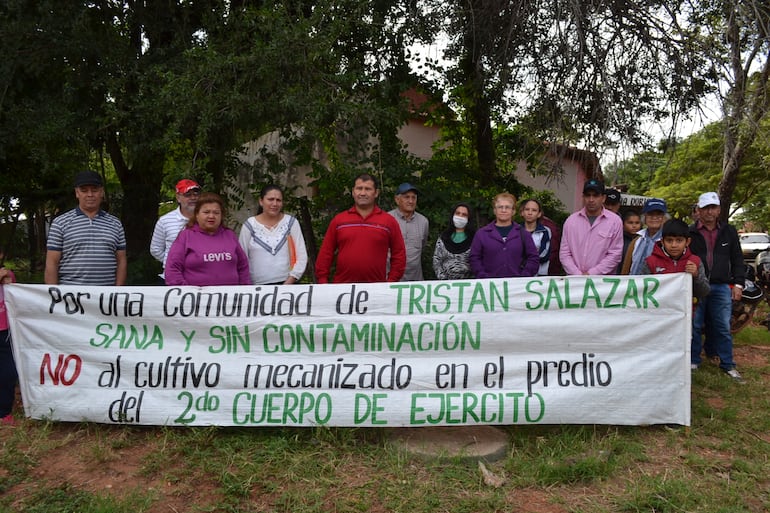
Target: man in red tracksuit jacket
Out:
[361,237]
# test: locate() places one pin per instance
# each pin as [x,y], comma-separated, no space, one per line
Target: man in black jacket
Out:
[719,248]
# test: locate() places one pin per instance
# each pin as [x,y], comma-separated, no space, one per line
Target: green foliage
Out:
[594,73]
[753,192]
[638,172]
[143,270]
[695,167]
[153,92]
[680,172]
[68,499]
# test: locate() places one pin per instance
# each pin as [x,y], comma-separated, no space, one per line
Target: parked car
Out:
[753,244]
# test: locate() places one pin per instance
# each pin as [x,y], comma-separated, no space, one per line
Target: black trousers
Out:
[8,375]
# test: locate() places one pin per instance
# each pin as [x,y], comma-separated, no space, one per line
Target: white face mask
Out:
[459,222]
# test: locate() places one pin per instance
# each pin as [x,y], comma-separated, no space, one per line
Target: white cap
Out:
[708,198]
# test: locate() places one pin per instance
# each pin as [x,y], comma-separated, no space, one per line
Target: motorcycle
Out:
[757,288]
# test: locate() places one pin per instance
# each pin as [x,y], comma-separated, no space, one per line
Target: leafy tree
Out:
[136,82]
[638,172]
[327,79]
[692,169]
[568,71]
[152,91]
[91,88]
[695,167]
[734,37]
[41,142]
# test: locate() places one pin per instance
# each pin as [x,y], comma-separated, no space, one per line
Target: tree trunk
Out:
[478,106]
[731,166]
[745,105]
[141,195]
[485,145]
[306,223]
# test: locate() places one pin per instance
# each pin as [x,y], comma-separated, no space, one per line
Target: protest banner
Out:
[544,350]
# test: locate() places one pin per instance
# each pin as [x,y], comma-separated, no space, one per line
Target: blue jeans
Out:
[712,317]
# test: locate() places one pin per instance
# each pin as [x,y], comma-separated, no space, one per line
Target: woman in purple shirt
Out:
[503,249]
[205,252]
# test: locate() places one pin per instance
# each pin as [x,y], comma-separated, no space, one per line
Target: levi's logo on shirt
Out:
[217,257]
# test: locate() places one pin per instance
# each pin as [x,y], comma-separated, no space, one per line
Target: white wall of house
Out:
[294,178]
[419,140]
[567,186]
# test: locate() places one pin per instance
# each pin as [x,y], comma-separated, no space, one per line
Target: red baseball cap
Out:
[184,186]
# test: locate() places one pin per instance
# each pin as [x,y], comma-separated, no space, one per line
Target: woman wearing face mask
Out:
[453,247]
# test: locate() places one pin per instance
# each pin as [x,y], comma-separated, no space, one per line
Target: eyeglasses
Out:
[190,194]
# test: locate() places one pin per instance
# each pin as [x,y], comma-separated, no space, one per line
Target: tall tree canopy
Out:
[735,38]
[143,82]
[569,71]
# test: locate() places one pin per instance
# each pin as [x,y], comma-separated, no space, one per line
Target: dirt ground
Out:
[119,471]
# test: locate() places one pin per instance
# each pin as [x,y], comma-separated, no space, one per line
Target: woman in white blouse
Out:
[273,242]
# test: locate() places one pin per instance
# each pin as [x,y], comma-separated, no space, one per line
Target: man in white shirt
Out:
[169,225]
[414,229]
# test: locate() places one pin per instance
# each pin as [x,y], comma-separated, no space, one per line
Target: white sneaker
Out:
[736,376]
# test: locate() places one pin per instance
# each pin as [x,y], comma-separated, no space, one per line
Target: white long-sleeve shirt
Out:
[166,230]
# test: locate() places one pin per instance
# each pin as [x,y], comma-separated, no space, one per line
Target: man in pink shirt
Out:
[592,238]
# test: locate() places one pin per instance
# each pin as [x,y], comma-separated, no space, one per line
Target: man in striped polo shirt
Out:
[169,225]
[86,245]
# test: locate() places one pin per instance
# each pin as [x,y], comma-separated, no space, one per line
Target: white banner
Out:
[546,350]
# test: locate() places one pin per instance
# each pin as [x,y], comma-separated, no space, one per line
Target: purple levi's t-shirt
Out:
[202,259]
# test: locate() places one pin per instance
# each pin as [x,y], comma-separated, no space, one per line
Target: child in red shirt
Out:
[671,254]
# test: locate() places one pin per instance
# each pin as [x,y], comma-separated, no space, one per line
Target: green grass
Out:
[67,499]
[720,464]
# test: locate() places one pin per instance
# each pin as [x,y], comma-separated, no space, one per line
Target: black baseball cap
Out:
[593,185]
[88,178]
[613,196]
